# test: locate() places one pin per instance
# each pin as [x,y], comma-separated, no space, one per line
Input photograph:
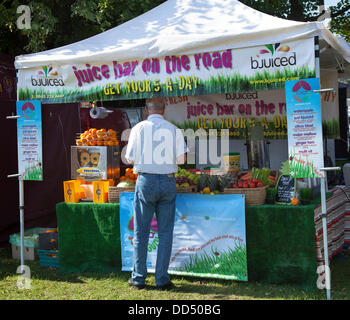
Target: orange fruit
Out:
[79,142]
[295,201]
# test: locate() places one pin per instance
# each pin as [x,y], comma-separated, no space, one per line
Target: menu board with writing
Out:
[285,189]
[304,121]
[29,140]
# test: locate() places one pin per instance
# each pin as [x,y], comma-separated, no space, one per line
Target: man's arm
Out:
[131,147]
[181,159]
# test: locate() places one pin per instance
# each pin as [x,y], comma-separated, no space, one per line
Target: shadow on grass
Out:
[8,267]
[188,287]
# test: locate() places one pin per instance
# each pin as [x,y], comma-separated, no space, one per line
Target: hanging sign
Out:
[231,70]
[304,120]
[209,238]
[235,111]
[29,140]
[238,112]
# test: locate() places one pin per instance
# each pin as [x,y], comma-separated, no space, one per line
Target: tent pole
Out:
[325,238]
[21,212]
[21,205]
[323,190]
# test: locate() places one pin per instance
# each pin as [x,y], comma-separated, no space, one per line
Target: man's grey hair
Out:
[155,103]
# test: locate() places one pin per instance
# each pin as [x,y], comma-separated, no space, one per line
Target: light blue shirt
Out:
[154,144]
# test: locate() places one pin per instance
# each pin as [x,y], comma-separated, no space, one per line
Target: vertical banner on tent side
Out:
[304,121]
[29,140]
[209,236]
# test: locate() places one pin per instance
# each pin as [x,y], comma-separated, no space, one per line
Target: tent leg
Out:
[325,237]
[21,210]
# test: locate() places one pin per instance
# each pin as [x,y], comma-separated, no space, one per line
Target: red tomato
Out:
[259,184]
[255,180]
[252,184]
[240,184]
[235,185]
[245,185]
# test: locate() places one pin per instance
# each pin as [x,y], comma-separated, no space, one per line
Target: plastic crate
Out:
[48,241]
[31,237]
[28,253]
[49,258]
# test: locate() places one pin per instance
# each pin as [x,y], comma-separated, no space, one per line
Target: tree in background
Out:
[56,23]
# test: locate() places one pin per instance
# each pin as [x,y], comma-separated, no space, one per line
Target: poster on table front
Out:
[29,140]
[304,119]
[263,67]
[209,236]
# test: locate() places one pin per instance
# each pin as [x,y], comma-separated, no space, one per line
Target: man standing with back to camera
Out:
[155,147]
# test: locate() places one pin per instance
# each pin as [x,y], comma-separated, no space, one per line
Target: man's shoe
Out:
[135,285]
[167,286]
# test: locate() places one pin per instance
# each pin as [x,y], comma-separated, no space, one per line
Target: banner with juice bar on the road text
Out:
[29,140]
[232,70]
[304,119]
[239,111]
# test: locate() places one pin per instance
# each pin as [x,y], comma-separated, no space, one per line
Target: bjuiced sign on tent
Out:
[304,120]
[29,140]
[263,67]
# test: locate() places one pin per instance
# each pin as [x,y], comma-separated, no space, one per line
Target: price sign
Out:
[285,189]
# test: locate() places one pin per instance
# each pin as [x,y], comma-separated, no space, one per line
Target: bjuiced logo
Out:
[28,110]
[47,77]
[262,62]
[301,91]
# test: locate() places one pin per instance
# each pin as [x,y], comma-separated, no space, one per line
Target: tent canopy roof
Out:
[185,27]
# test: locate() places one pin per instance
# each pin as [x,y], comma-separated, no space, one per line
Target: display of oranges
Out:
[98,137]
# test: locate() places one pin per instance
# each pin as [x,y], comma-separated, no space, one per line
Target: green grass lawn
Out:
[49,284]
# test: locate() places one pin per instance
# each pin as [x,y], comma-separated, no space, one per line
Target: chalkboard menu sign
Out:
[285,189]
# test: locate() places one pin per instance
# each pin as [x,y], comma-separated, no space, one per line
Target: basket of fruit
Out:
[123,186]
[253,189]
[186,182]
[254,196]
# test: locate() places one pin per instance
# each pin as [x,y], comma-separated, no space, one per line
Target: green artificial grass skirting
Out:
[280,241]
[89,237]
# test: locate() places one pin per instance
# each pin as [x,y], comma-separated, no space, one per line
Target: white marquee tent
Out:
[188,27]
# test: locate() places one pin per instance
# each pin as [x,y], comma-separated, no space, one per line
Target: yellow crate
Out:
[100,191]
[72,192]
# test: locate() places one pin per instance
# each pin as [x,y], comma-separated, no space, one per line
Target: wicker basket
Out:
[253,196]
[190,189]
[113,193]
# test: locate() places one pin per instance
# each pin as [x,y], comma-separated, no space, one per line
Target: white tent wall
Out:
[185,27]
